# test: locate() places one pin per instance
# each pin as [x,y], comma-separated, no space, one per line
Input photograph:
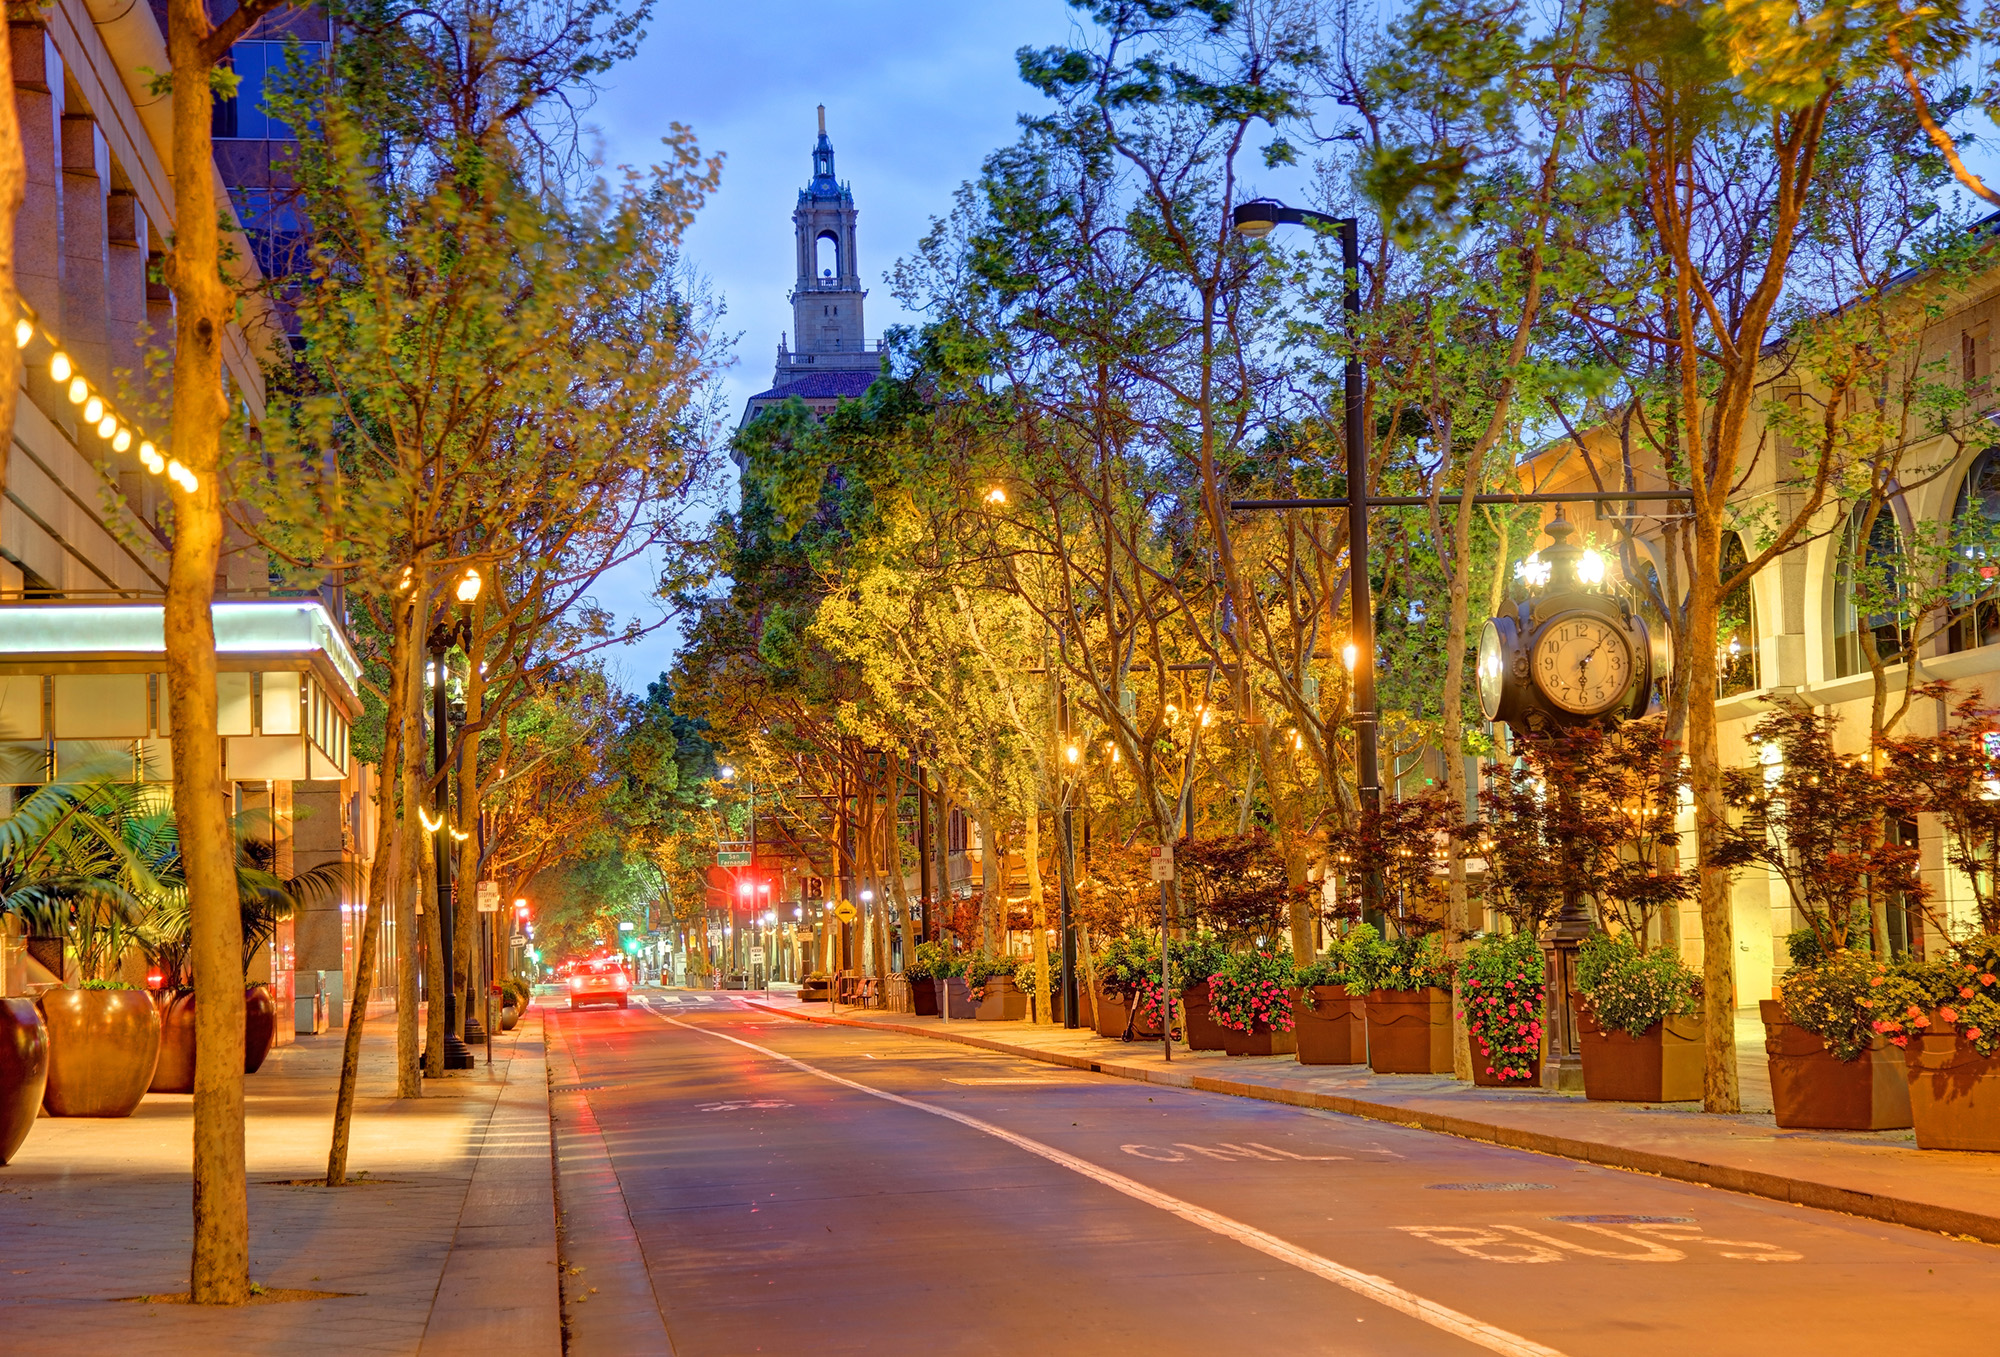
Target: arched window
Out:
[826,255]
[1736,631]
[1867,592]
[1975,543]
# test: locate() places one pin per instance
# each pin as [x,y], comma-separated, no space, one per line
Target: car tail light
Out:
[624,981]
[576,982]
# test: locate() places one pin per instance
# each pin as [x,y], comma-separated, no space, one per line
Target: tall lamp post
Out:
[443,635]
[1254,221]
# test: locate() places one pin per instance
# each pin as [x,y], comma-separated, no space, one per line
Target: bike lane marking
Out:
[1378,1289]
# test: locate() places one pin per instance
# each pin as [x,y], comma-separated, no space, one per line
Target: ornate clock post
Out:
[1570,654]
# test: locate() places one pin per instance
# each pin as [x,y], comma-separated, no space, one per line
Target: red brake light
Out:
[576,982]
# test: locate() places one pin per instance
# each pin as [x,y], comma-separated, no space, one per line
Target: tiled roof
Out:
[821,386]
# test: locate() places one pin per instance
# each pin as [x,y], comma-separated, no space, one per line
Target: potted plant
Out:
[990,981]
[1818,821]
[1194,961]
[1641,1022]
[24,1071]
[1250,998]
[1329,1014]
[515,997]
[1943,1015]
[1130,961]
[921,972]
[104,1037]
[1409,1001]
[1500,984]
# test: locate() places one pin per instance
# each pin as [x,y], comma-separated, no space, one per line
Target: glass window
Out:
[1867,598]
[259,67]
[1736,632]
[1975,541]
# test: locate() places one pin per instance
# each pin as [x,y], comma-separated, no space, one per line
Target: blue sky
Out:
[917,93]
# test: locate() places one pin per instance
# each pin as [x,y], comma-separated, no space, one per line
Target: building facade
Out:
[83,552]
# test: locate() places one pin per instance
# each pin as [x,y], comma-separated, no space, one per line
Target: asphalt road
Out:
[810,1190]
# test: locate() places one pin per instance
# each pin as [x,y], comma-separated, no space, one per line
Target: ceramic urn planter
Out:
[1812,1090]
[260,1025]
[1954,1091]
[1661,1065]
[103,1044]
[24,1072]
[1331,1026]
[174,1072]
[1409,1031]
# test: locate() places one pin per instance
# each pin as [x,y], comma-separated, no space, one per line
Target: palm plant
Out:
[68,869]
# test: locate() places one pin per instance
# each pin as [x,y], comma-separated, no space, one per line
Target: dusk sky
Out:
[916,93]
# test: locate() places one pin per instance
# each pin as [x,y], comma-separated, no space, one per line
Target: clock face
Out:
[1583,663]
[1492,669]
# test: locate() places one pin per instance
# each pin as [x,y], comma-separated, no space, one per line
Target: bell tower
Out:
[827,330]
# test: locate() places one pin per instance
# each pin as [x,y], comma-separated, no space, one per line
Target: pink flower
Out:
[1900,1041]
[1948,1014]
[1965,991]
[1878,980]
[1921,1021]
[1879,1025]
[1973,1034]
[1986,978]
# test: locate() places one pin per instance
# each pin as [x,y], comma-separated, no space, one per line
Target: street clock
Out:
[1569,654]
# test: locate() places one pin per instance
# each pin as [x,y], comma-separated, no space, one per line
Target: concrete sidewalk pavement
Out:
[1879,1175]
[446,1244]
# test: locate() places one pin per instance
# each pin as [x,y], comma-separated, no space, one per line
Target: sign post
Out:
[1161,867]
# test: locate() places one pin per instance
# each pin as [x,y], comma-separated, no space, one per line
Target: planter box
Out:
[1481,1063]
[1332,1026]
[1954,1091]
[103,1045]
[1409,1031]
[1203,1033]
[1661,1065]
[1003,1001]
[1112,1015]
[1263,1041]
[1811,1090]
[958,1000]
[924,997]
[815,990]
[24,1072]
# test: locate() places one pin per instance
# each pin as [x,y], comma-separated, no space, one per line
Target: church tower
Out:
[830,357]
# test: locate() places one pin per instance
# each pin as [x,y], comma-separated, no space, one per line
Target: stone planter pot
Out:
[1203,1033]
[924,997]
[260,1025]
[814,989]
[1112,1014]
[103,1045]
[509,1015]
[1409,1031]
[1332,1026]
[1002,1001]
[1954,1091]
[958,1000]
[24,1071]
[174,1071]
[1661,1065]
[1483,1077]
[1811,1090]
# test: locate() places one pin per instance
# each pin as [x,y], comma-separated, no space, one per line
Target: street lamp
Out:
[443,635]
[1254,221]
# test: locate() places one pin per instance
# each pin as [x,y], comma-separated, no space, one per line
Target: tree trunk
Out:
[1038,913]
[414,863]
[382,878]
[989,888]
[221,1264]
[1718,932]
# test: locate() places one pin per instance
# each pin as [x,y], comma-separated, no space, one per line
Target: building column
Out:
[86,173]
[38,99]
[125,306]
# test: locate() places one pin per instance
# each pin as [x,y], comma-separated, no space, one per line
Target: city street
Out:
[795,1188]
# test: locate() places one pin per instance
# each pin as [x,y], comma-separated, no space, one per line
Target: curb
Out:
[1917,1215]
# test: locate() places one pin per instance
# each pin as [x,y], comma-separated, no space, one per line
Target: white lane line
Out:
[1378,1289]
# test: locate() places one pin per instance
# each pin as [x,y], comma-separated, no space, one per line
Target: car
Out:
[598,982]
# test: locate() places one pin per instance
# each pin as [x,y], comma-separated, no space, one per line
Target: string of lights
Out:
[120,432]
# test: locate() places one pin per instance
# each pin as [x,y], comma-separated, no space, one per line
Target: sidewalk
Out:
[1880,1175]
[446,1247]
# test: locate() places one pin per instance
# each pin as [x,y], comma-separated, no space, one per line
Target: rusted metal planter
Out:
[1331,1026]
[1812,1090]
[1203,1033]
[1661,1065]
[24,1071]
[1954,1091]
[103,1045]
[1409,1031]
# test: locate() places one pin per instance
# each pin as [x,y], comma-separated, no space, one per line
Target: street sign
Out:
[487,894]
[1162,863]
[727,858]
[844,911]
[756,956]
